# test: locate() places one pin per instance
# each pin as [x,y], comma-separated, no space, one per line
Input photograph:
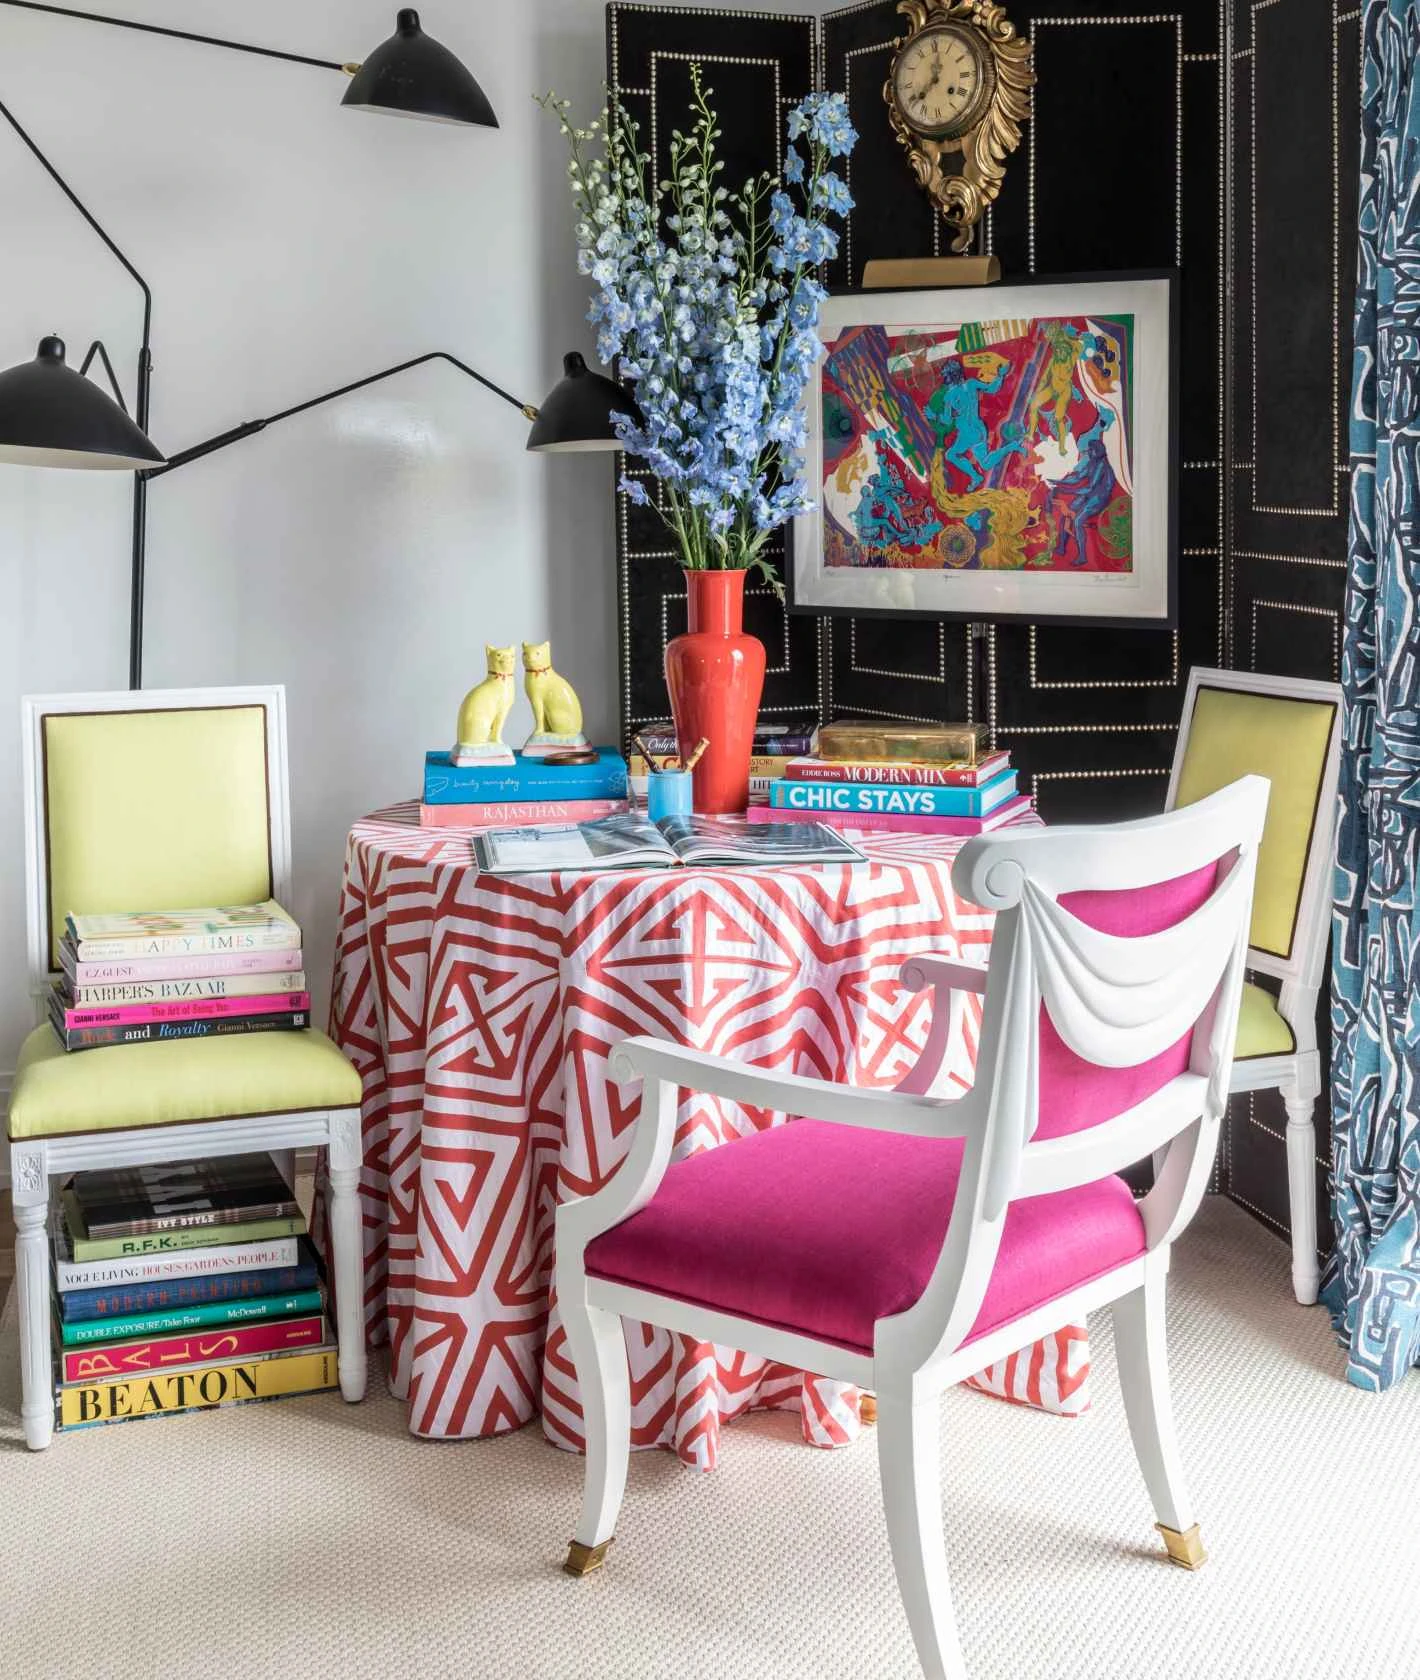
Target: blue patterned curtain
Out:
[1373,1280]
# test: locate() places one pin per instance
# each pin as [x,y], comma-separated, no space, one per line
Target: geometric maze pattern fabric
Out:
[482,1013]
[1373,1279]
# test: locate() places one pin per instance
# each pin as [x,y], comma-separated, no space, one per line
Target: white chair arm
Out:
[949,979]
[946,972]
[792,1093]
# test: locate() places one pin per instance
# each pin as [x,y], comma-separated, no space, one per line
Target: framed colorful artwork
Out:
[996,452]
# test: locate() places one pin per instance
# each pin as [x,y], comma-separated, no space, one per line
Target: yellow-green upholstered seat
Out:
[1261,1030]
[129,1085]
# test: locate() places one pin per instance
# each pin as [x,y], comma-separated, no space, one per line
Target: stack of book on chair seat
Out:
[526,794]
[921,779]
[777,742]
[171,974]
[183,1286]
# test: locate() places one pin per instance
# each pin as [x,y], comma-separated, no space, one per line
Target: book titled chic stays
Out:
[866,799]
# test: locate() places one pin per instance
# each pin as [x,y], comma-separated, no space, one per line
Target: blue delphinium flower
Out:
[712,303]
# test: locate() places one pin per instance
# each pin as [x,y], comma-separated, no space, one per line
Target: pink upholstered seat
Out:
[824,1229]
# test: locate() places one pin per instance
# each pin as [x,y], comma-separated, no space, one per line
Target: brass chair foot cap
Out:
[1186,1549]
[867,1408]
[582,1560]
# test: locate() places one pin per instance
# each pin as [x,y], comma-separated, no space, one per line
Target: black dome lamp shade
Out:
[577,413]
[51,416]
[413,75]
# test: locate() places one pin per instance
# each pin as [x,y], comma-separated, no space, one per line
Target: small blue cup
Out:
[668,794]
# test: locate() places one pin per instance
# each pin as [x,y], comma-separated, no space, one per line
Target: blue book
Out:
[895,799]
[124,1300]
[446,783]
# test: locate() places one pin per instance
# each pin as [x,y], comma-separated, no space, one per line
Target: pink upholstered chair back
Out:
[1112,994]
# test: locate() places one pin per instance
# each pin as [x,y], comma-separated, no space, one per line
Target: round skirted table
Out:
[482,1012]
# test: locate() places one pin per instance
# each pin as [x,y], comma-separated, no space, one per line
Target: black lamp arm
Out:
[177,34]
[97,349]
[210,445]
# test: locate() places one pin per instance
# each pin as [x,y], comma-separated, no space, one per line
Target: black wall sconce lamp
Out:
[52,415]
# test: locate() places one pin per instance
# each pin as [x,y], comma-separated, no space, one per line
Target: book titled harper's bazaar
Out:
[166,1353]
[183,933]
[78,1405]
[173,994]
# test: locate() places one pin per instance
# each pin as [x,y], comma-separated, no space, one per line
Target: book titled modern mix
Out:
[184,1286]
[148,976]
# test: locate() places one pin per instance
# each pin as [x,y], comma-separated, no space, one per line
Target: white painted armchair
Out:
[977,1224]
[163,799]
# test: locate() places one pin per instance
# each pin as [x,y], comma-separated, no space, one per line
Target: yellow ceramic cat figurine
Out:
[557,712]
[484,711]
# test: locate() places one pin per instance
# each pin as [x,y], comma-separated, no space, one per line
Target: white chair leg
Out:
[1301,1187]
[348,1255]
[1141,1352]
[29,1183]
[909,1469]
[598,1348]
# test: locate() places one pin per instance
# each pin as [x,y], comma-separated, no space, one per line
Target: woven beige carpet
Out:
[307,1538]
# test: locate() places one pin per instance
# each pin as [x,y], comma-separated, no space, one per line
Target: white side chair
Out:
[976,1224]
[163,800]
[1239,723]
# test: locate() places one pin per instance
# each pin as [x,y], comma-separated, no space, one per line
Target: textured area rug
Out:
[308,1537]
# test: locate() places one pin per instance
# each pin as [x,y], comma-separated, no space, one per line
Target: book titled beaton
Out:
[81,1332]
[446,783]
[116,1359]
[127,1300]
[172,1195]
[78,1405]
[183,933]
[869,799]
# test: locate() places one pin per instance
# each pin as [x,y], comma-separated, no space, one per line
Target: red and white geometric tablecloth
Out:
[481,1013]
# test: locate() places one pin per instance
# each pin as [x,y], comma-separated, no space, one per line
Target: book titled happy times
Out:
[215,930]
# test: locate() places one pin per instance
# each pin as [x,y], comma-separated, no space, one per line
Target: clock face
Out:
[941,80]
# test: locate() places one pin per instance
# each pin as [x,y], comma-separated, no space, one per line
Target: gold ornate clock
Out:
[960,83]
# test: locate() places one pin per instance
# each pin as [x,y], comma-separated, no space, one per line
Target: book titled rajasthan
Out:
[514,815]
[446,783]
[79,1405]
[165,1353]
[183,933]
[85,1331]
[169,1294]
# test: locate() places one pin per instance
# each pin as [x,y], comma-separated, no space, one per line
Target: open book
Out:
[635,842]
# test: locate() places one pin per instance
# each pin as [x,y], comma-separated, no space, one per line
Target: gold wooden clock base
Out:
[885,274]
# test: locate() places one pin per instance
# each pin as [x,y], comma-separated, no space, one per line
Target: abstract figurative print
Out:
[1372,1284]
[994,445]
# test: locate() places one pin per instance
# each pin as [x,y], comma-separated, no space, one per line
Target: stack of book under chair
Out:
[898,778]
[532,792]
[174,974]
[777,743]
[181,1287]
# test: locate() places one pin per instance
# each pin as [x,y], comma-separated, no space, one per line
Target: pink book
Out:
[878,823]
[521,814]
[186,1009]
[104,1361]
[118,970]
[902,775]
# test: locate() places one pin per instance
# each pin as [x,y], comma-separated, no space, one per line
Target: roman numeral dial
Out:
[939,80]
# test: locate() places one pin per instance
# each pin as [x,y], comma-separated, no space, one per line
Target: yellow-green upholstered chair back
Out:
[158,801]
[1238,724]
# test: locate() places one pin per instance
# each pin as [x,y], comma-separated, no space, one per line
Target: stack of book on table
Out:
[898,778]
[184,1286]
[777,742]
[171,974]
[530,792]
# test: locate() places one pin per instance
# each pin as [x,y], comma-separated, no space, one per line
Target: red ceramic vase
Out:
[715,673]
